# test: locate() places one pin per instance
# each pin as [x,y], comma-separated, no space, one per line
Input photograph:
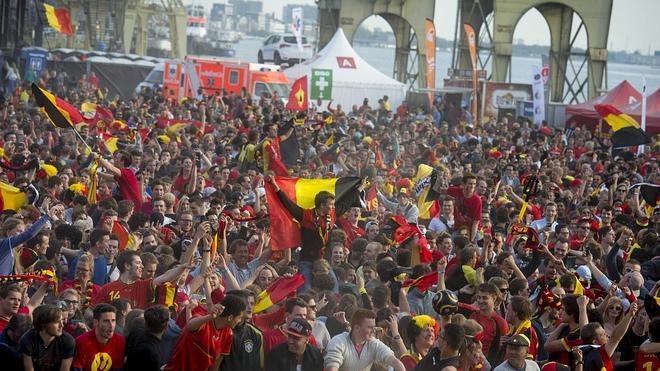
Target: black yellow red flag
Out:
[626,132]
[285,233]
[60,112]
[59,19]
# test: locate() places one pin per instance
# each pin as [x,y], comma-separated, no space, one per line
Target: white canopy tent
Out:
[353,79]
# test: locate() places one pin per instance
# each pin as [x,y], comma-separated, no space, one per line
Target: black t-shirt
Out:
[143,352]
[50,357]
[433,361]
[629,346]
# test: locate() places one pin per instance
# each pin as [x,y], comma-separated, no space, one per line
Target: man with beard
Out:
[101,348]
[296,353]
[247,352]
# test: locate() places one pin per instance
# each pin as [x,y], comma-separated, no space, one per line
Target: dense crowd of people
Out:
[149,245]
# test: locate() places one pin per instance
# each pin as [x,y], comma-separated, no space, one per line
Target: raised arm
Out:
[295,210]
[109,166]
[621,328]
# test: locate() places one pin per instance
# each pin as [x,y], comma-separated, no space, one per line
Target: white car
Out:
[283,48]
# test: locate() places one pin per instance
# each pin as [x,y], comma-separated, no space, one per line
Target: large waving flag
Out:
[278,291]
[626,132]
[298,98]
[285,231]
[428,208]
[60,112]
[11,198]
[59,19]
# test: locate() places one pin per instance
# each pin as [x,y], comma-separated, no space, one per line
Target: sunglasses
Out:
[616,308]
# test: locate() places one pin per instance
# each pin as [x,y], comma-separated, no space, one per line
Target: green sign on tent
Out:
[321,84]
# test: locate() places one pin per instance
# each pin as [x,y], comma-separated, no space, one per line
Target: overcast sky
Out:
[634,25]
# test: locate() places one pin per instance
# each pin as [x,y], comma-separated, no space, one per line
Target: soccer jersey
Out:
[569,340]
[198,350]
[647,362]
[94,356]
[138,293]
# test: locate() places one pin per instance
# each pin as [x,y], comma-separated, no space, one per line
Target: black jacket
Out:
[280,359]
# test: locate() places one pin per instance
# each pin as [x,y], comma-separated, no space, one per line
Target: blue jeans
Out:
[305,268]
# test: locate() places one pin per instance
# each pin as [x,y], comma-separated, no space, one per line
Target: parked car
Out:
[283,48]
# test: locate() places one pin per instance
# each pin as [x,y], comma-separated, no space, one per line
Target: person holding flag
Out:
[272,156]
[315,224]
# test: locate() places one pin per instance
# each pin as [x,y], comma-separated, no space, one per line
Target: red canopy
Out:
[652,112]
[620,96]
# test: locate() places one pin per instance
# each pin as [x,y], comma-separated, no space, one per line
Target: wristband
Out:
[579,363]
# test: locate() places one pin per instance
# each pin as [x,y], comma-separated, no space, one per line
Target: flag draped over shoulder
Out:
[61,113]
[59,19]
[285,231]
[626,132]
[11,198]
[278,291]
[428,208]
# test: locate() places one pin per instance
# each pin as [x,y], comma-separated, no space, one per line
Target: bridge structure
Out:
[576,74]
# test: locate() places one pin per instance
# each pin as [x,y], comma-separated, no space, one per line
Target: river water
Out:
[521,67]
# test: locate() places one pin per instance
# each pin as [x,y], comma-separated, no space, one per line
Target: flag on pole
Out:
[59,19]
[298,98]
[278,291]
[61,113]
[626,132]
[472,45]
[297,26]
[640,149]
[429,43]
[285,233]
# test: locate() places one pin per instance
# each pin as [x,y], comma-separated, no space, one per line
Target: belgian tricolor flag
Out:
[626,132]
[285,231]
[60,112]
[278,291]
[59,19]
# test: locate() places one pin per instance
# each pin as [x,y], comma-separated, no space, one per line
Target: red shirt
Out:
[128,187]
[352,232]
[646,362]
[5,320]
[466,210]
[198,350]
[569,339]
[139,293]
[275,337]
[92,355]
[490,324]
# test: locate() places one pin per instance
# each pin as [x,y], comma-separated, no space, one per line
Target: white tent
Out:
[353,79]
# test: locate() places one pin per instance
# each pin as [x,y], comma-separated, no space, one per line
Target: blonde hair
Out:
[606,314]
[86,258]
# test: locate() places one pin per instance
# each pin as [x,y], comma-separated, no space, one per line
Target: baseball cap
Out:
[518,340]
[299,327]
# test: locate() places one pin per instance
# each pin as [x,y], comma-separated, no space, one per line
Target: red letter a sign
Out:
[298,96]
